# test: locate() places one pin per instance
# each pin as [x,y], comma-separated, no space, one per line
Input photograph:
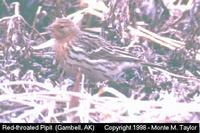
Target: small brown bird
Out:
[96,57]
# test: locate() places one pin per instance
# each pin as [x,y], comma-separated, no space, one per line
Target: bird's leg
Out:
[74,100]
[61,74]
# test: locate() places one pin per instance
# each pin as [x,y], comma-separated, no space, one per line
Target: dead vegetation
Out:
[165,33]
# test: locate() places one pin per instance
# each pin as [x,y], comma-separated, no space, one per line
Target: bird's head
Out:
[63,28]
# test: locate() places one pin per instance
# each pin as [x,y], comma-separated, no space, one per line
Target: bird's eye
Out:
[61,27]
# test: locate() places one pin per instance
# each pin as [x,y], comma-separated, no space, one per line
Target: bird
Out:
[97,58]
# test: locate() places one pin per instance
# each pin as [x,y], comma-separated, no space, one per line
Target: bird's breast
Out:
[61,52]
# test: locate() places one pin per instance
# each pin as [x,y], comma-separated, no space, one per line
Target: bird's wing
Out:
[98,48]
[112,53]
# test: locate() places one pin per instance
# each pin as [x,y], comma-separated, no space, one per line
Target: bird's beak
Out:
[48,28]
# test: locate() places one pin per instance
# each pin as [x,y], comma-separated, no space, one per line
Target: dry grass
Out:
[31,89]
